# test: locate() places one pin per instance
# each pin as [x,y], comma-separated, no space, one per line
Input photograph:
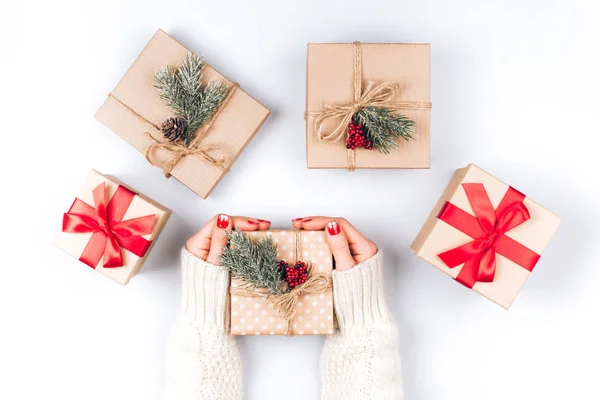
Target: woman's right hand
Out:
[347,244]
[210,241]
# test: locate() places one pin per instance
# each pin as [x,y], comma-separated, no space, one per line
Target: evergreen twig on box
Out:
[383,127]
[254,262]
[193,103]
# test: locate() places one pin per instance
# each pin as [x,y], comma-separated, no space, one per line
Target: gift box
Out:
[486,235]
[259,314]
[135,111]
[110,227]
[342,79]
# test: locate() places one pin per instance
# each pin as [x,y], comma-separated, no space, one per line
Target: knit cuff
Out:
[205,300]
[358,296]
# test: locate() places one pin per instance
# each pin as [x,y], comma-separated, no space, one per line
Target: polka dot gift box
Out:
[313,312]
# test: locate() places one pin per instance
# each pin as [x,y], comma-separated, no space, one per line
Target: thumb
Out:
[219,238]
[338,243]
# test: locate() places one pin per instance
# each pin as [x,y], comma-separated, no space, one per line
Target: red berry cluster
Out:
[294,276]
[357,137]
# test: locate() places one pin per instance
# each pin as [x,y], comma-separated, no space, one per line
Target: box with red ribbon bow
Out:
[486,235]
[111,228]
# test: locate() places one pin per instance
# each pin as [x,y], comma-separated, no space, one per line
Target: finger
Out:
[263,224]
[247,223]
[319,223]
[199,244]
[297,222]
[222,225]
[338,243]
[360,247]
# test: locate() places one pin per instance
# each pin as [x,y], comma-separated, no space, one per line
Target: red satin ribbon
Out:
[487,228]
[109,232]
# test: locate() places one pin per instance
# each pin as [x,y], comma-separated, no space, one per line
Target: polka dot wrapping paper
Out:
[252,315]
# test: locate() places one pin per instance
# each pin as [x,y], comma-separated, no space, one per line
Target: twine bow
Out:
[179,151]
[286,304]
[209,153]
[373,95]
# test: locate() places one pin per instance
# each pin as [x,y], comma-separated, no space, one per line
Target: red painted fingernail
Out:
[333,228]
[252,222]
[297,219]
[307,219]
[264,221]
[223,221]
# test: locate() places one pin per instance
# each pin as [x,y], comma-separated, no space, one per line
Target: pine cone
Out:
[174,129]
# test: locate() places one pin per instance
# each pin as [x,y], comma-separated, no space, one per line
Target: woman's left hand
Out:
[348,246]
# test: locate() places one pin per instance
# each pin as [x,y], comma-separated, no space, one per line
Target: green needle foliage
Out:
[254,262]
[385,127]
[182,90]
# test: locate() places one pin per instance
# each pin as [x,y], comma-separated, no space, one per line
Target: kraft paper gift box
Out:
[134,106]
[255,315]
[111,228]
[486,234]
[331,76]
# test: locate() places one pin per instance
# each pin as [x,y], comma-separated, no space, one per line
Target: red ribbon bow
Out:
[109,232]
[487,228]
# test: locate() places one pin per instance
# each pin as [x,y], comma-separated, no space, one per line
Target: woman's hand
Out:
[347,245]
[210,241]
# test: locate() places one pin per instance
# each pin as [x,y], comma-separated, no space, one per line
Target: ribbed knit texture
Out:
[361,363]
[203,362]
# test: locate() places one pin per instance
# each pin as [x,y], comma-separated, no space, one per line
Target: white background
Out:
[514,89]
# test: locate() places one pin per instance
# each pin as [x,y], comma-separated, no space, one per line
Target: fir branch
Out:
[189,77]
[212,96]
[384,127]
[181,89]
[253,262]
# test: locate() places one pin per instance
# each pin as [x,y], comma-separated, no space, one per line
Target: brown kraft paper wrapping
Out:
[252,315]
[234,127]
[330,76]
[75,243]
[437,236]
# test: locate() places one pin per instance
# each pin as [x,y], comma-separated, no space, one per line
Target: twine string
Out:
[179,151]
[209,153]
[132,111]
[373,95]
[286,304]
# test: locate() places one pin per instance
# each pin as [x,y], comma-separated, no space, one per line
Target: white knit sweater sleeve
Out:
[361,362]
[203,361]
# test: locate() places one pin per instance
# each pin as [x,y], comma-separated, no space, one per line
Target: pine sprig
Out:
[384,127]
[212,96]
[182,90]
[254,262]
